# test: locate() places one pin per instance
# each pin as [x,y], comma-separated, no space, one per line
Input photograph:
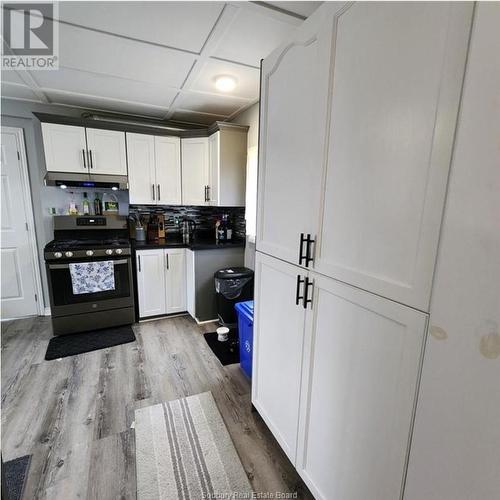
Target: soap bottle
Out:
[86,205]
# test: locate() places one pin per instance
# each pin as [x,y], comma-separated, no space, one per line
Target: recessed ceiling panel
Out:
[18,91]
[185,25]
[252,36]
[247,79]
[83,82]
[208,103]
[86,50]
[116,106]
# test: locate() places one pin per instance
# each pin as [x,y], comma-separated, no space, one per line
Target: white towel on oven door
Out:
[92,277]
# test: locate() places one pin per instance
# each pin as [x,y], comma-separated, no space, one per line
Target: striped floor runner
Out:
[184,451]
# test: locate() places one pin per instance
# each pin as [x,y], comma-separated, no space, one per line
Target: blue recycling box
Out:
[245,329]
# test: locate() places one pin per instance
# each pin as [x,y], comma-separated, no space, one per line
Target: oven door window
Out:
[62,289]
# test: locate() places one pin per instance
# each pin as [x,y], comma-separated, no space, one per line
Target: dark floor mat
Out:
[228,352]
[78,343]
[15,473]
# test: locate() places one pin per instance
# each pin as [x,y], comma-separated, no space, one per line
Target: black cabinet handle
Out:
[158,192]
[301,248]
[90,156]
[83,154]
[297,290]
[168,264]
[307,257]
[139,259]
[306,300]
[153,186]
[208,193]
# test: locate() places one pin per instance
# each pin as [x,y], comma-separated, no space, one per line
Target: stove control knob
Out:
[109,252]
[119,251]
[57,255]
[68,254]
[89,253]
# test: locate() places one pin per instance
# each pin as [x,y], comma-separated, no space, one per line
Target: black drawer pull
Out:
[306,300]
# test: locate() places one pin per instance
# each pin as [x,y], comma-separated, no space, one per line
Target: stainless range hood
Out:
[86,180]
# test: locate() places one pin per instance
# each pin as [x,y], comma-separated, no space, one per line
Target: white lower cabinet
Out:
[161,281]
[278,344]
[336,382]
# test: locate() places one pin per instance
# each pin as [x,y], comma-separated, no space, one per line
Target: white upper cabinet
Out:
[361,368]
[168,170]
[278,343]
[292,132]
[227,150]
[106,151]
[154,169]
[394,96]
[141,168]
[195,171]
[65,148]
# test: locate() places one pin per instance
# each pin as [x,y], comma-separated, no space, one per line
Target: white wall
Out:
[455,453]
[250,117]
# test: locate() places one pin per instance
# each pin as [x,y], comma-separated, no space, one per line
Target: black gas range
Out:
[98,246]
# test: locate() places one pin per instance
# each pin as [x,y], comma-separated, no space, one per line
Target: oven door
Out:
[63,301]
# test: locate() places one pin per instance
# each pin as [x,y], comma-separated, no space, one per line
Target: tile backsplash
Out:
[205,217]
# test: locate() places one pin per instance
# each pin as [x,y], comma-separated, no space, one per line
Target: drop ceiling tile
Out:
[185,25]
[82,82]
[18,91]
[95,52]
[186,116]
[209,103]
[251,36]
[11,77]
[247,79]
[97,103]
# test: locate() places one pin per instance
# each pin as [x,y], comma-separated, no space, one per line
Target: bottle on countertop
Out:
[97,205]
[73,209]
[86,205]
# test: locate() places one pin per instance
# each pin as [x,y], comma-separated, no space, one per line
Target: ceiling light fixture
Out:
[225,83]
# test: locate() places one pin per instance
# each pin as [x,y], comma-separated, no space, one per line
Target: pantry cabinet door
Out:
[168,170]
[65,148]
[150,265]
[361,370]
[214,169]
[195,174]
[141,168]
[293,107]
[392,119]
[107,152]
[175,267]
[278,339]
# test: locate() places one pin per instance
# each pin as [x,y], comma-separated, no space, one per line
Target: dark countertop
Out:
[195,244]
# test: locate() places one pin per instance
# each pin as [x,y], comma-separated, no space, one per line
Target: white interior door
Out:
[107,152]
[278,344]
[393,113]
[19,282]
[176,280]
[292,133]
[150,267]
[141,168]
[168,170]
[65,148]
[195,178]
[361,369]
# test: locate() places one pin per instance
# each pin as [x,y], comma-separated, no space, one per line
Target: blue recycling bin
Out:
[244,311]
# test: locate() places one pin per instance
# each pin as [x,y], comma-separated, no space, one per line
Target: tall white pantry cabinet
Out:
[358,116]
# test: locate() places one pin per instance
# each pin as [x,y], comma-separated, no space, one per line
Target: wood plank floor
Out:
[74,415]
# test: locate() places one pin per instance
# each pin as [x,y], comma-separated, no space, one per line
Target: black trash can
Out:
[232,284]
